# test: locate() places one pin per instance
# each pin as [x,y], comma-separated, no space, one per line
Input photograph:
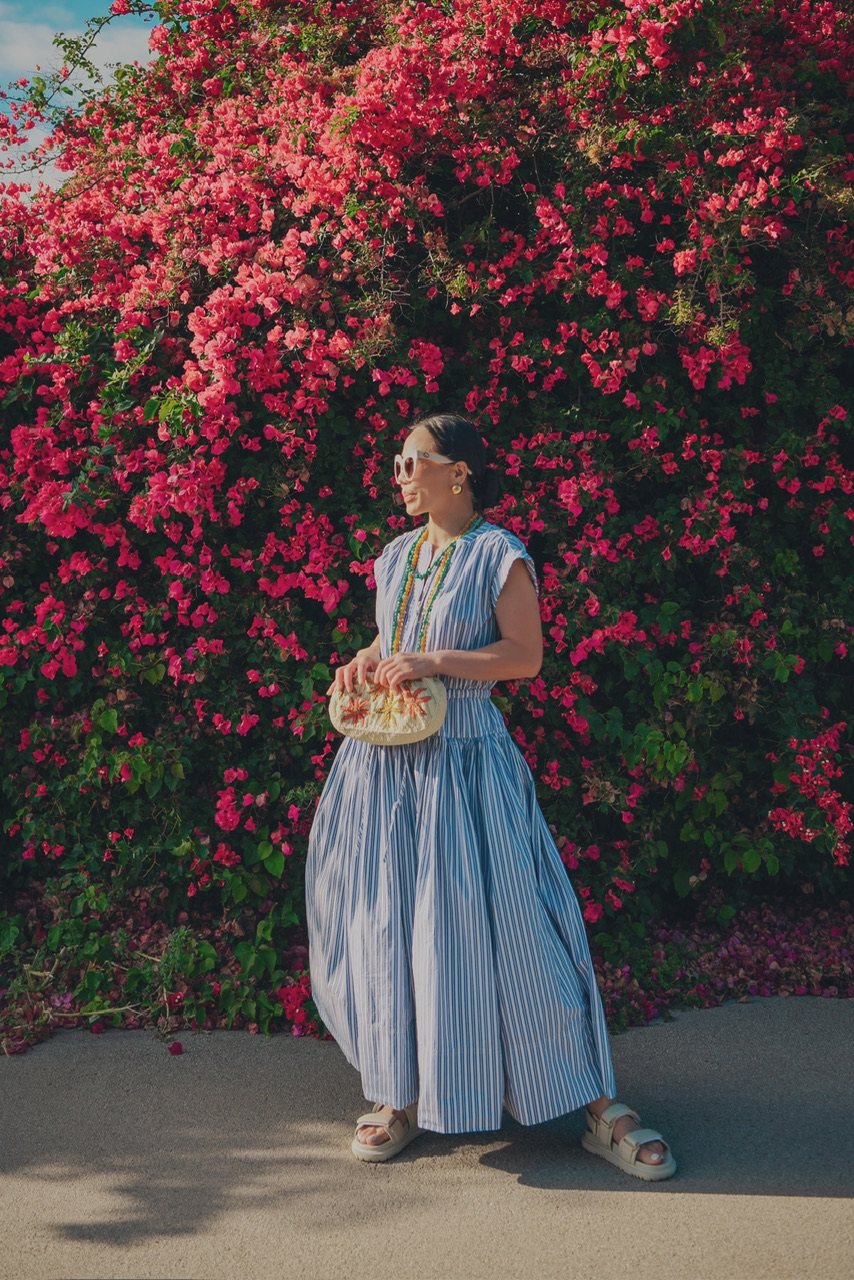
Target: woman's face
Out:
[430,486]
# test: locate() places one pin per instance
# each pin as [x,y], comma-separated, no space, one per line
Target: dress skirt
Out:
[448,953]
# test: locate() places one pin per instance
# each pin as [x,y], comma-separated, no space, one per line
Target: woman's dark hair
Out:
[456,438]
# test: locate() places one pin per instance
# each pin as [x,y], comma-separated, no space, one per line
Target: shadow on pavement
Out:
[754,1099]
[110,1140]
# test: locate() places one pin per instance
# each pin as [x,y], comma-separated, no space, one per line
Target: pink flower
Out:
[226,856]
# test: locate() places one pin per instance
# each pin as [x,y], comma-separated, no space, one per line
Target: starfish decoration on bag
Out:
[356,710]
[415,700]
[390,708]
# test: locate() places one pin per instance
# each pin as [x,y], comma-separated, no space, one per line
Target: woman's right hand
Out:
[356,671]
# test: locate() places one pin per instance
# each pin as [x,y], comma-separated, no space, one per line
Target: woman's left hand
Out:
[392,671]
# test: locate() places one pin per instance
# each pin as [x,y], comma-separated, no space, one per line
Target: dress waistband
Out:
[466,691]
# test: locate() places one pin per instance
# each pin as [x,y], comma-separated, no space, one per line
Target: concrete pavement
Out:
[232,1161]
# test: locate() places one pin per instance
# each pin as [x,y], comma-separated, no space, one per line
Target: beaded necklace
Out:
[443,564]
[420,575]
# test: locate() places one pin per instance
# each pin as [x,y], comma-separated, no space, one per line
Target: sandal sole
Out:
[377,1154]
[646,1172]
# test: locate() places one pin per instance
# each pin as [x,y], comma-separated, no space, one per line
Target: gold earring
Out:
[456,488]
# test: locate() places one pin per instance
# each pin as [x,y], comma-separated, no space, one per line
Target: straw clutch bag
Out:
[390,717]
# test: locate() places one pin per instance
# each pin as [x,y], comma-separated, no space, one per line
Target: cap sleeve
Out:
[387,562]
[379,566]
[509,550]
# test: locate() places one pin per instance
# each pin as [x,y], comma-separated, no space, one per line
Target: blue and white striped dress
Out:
[447,947]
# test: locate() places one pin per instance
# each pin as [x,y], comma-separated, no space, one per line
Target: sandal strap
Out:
[638,1138]
[609,1118]
[382,1118]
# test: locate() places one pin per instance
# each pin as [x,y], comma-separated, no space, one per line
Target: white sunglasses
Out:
[405,464]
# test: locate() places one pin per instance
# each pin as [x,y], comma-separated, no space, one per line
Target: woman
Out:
[448,953]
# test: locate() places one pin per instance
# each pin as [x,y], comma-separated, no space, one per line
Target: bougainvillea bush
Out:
[614,235]
[137,971]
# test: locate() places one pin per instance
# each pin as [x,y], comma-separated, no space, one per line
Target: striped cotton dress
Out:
[447,948]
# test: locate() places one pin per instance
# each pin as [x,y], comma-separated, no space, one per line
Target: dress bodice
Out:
[463,614]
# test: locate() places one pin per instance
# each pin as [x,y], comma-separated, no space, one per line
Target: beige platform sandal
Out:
[400,1133]
[599,1140]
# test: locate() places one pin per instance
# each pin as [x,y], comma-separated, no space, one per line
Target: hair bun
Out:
[486,487]
[459,439]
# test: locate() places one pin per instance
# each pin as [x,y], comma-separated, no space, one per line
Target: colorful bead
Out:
[443,564]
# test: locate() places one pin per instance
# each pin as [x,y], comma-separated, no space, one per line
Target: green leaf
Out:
[275,863]
[681,882]
[751,860]
[208,956]
[109,720]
